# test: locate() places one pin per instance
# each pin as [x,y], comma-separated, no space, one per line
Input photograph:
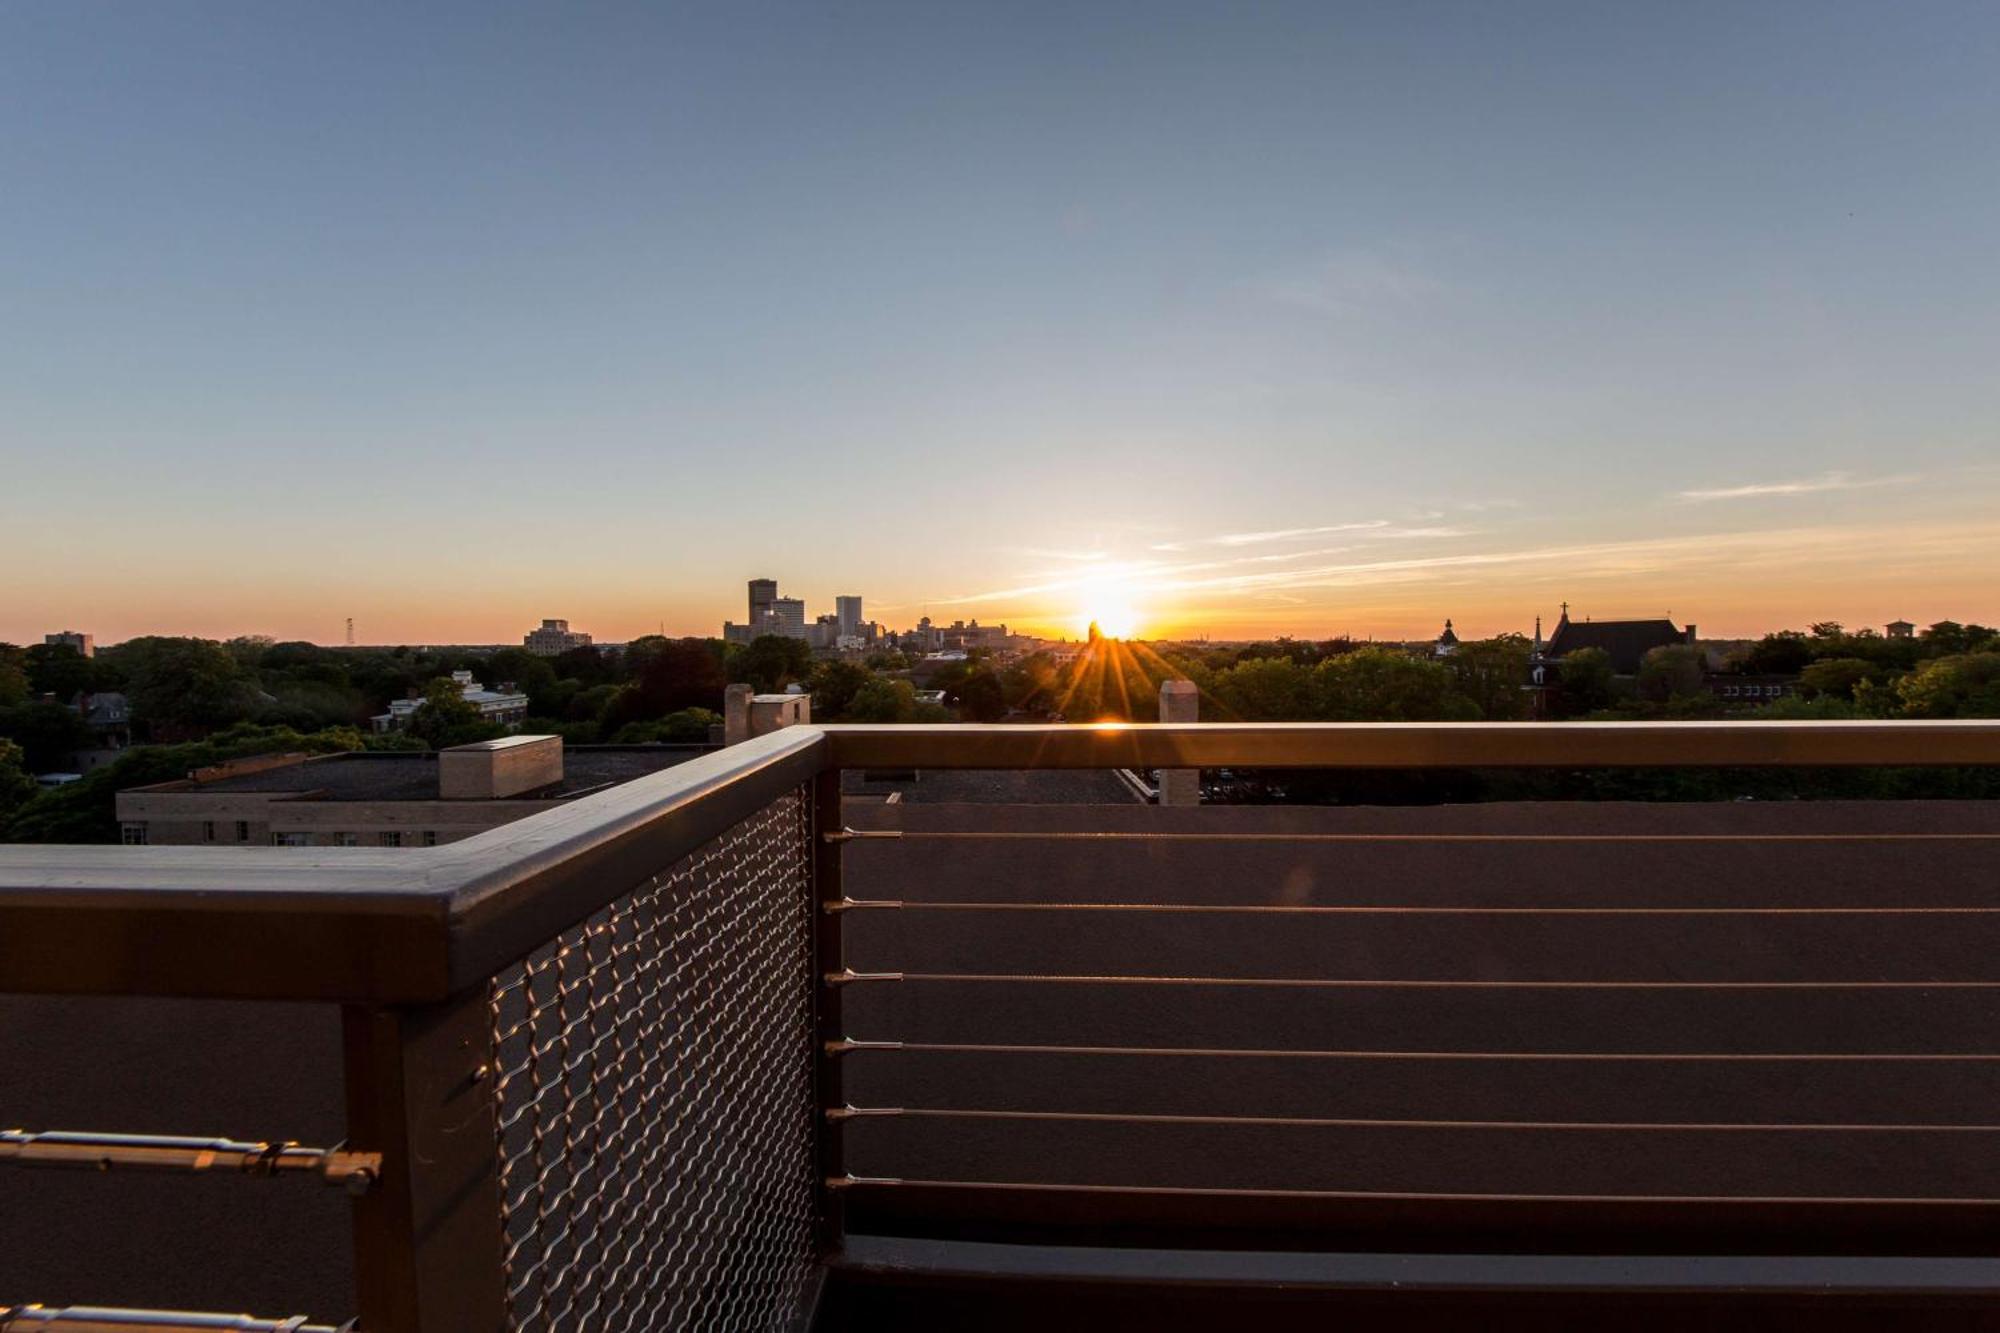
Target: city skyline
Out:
[1339,322]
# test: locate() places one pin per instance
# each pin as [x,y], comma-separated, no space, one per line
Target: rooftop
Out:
[400,776]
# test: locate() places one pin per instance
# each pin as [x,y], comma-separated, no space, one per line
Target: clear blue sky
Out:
[1303,317]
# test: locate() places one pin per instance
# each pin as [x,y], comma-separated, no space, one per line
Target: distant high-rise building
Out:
[847,611]
[763,592]
[786,616]
[554,639]
[85,644]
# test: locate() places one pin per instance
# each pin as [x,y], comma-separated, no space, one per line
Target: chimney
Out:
[1180,701]
[736,713]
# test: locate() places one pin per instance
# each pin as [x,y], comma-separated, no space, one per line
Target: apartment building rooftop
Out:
[414,776]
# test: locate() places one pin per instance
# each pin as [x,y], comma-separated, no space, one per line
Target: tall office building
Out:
[763,592]
[787,616]
[847,611]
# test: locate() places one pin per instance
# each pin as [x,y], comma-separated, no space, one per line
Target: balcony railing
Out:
[604,1067]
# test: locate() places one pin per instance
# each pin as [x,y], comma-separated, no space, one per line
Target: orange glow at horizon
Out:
[1111,605]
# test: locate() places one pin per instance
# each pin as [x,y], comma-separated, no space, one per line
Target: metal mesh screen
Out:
[655,1098]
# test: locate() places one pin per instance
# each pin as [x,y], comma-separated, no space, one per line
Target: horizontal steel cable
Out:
[983,1048]
[1345,983]
[1370,1122]
[1284,909]
[1421,1196]
[1077,835]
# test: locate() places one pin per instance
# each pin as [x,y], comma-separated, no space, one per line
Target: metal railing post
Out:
[829,958]
[428,1251]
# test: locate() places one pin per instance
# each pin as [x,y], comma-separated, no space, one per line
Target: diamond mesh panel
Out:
[655,1098]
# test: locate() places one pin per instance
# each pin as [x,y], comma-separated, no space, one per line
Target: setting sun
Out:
[1110,607]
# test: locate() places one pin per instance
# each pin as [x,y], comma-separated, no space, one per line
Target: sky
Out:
[1233,319]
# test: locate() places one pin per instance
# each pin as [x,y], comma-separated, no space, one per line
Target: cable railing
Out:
[648,1061]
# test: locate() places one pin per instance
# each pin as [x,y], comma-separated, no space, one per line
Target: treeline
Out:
[1948,670]
[195,701]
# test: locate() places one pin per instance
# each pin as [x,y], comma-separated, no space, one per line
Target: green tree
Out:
[447,717]
[17,788]
[833,685]
[1967,685]
[979,696]
[249,649]
[773,661]
[592,704]
[58,669]
[1384,685]
[1493,674]
[48,734]
[13,676]
[1836,677]
[1266,689]
[690,726]
[884,701]
[1785,653]
[1585,679]
[1948,638]
[590,665]
[531,675]
[182,687]
[86,810]
[1671,673]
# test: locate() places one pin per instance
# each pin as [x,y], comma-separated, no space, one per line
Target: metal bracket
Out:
[355,1172]
[847,1045]
[836,1114]
[853,834]
[848,975]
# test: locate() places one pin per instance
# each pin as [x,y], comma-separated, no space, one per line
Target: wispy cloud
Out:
[1379,528]
[1830,481]
[1686,555]
[1289,534]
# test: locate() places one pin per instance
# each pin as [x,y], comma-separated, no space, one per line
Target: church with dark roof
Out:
[1626,642]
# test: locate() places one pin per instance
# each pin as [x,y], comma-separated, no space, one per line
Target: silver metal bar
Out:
[105,1319]
[354,1172]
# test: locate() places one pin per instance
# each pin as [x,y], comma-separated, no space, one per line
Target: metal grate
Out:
[655,1098]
